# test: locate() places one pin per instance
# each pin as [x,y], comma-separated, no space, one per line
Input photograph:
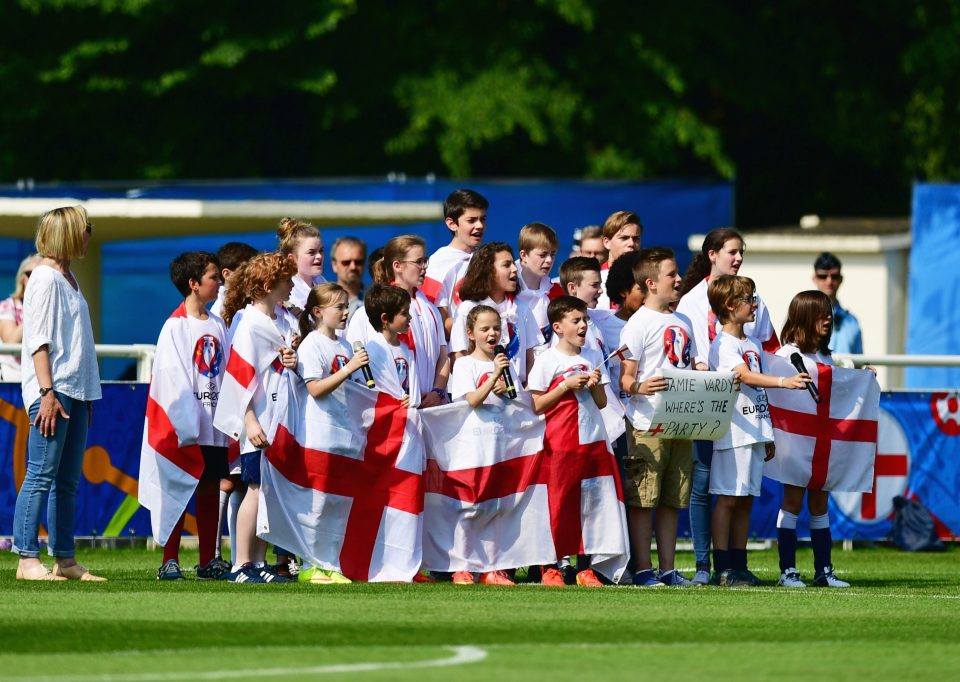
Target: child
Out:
[807,331]
[538,246]
[465,214]
[621,234]
[187,372]
[491,279]
[567,366]
[478,379]
[580,278]
[256,391]
[326,361]
[300,242]
[737,464]
[657,469]
[391,362]
[230,256]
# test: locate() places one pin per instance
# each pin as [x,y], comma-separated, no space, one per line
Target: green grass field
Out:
[901,620]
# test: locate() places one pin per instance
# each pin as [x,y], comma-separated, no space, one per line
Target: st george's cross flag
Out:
[347,495]
[187,373]
[827,446]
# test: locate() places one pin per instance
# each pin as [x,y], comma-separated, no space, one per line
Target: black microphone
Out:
[507,379]
[797,361]
[367,374]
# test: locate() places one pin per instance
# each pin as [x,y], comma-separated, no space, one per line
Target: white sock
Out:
[786,520]
[821,521]
[236,497]
[224,502]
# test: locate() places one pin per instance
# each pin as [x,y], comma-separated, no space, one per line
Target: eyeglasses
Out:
[354,261]
[420,262]
[749,299]
[832,276]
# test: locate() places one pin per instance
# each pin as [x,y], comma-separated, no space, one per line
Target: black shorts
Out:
[250,467]
[215,465]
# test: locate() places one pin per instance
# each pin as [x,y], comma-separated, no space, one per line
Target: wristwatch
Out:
[44,391]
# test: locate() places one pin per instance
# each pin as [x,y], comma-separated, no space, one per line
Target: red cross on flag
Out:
[347,496]
[827,446]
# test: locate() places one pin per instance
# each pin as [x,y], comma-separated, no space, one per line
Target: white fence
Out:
[142,352]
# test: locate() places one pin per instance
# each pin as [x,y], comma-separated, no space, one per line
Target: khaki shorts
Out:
[658,471]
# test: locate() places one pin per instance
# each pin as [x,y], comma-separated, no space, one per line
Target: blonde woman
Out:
[11,319]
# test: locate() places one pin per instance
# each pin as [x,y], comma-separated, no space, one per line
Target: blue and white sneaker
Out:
[216,569]
[647,578]
[674,578]
[268,575]
[170,570]
[791,578]
[701,577]
[828,579]
[246,574]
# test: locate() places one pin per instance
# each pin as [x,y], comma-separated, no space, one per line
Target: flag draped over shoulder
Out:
[347,496]
[170,458]
[827,446]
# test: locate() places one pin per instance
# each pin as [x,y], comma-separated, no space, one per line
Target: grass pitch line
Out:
[462,655]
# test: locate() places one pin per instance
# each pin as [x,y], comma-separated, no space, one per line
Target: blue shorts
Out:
[250,467]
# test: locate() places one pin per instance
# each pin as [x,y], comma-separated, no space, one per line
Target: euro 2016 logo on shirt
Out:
[339,362]
[574,370]
[752,360]
[513,340]
[403,371]
[676,345]
[208,356]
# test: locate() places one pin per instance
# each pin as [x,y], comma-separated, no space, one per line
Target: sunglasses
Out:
[354,261]
[832,276]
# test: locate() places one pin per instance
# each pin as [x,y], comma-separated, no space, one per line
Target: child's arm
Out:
[476,398]
[321,387]
[759,380]
[596,388]
[255,434]
[531,358]
[543,401]
[288,357]
[630,385]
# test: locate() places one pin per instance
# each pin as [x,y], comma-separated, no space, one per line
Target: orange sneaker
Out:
[552,577]
[463,578]
[496,578]
[423,578]
[587,578]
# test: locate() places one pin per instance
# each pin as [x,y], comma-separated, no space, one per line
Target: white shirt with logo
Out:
[468,375]
[751,415]
[518,332]
[393,369]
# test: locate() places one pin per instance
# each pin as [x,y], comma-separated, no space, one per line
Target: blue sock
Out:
[822,542]
[787,547]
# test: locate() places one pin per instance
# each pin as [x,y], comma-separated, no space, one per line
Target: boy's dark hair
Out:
[648,265]
[231,254]
[573,268]
[826,261]
[460,199]
[724,290]
[560,306]
[620,278]
[384,298]
[375,255]
[478,280]
[190,265]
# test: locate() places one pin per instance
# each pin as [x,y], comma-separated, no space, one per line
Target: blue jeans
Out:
[54,464]
[700,502]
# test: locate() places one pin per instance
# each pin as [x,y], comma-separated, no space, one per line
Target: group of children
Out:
[478,322]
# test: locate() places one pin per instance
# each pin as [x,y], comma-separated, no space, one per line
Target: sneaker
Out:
[170,571]
[320,576]
[246,574]
[674,578]
[747,575]
[496,578]
[701,577]
[733,578]
[419,577]
[790,578]
[216,569]
[588,578]
[552,577]
[647,578]
[463,578]
[828,579]
[270,576]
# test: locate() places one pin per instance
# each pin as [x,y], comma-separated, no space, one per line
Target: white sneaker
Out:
[791,578]
[828,579]
[701,578]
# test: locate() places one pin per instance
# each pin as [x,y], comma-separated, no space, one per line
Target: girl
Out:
[721,254]
[260,361]
[301,243]
[404,265]
[491,279]
[478,379]
[806,331]
[326,361]
[736,470]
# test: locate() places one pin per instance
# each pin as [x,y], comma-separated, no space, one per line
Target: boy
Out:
[567,366]
[621,234]
[580,278]
[391,362]
[538,246]
[230,256]
[179,439]
[657,469]
[465,214]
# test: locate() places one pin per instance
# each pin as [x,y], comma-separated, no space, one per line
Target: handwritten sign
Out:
[695,405]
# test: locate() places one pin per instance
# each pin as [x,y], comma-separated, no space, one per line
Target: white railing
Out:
[142,352]
[899,360]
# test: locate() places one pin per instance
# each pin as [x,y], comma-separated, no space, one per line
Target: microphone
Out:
[797,361]
[367,374]
[507,378]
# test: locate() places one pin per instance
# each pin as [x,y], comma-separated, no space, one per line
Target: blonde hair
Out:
[60,232]
[537,236]
[618,220]
[291,231]
[395,249]
[322,295]
[724,290]
[21,271]
[251,280]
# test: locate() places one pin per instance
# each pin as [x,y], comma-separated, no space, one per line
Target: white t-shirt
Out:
[519,332]
[603,303]
[393,369]
[537,300]
[441,284]
[320,357]
[553,364]
[610,327]
[301,289]
[468,375]
[696,307]
[655,340]
[789,349]
[56,315]
[751,415]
